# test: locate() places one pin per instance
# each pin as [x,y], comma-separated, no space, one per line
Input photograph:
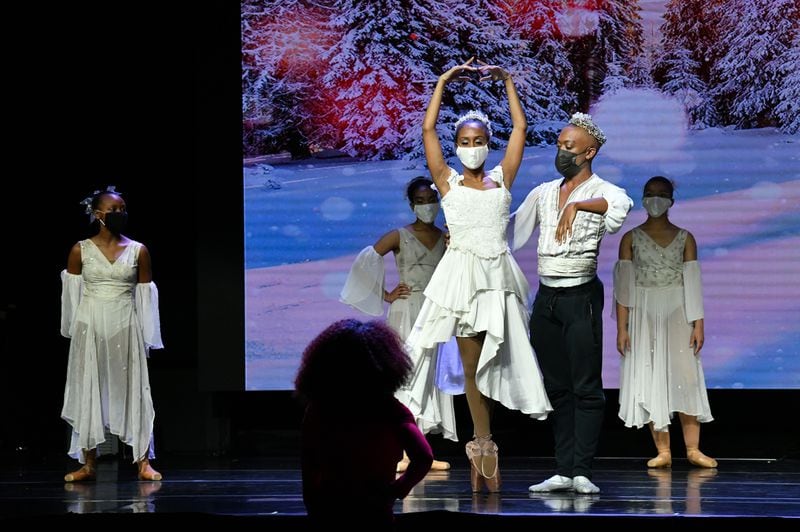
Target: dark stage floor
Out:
[242,492]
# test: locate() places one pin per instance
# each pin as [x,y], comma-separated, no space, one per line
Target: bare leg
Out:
[691,437]
[479,405]
[661,439]
[480,411]
[88,471]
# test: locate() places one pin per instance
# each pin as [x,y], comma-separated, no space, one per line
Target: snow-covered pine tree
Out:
[281,46]
[617,36]
[758,34]
[615,77]
[376,75]
[694,26]
[535,22]
[788,110]
[461,29]
[681,80]
[640,69]
[688,53]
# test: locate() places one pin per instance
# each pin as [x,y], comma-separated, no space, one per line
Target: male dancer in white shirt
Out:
[566,324]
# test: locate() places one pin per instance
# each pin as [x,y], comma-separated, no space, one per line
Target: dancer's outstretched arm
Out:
[433,148]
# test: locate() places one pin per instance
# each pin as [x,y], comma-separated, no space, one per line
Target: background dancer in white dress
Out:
[109,309]
[660,332]
[418,247]
[478,293]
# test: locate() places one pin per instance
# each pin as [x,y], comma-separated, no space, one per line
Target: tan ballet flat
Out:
[439,465]
[662,460]
[146,471]
[697,458]
[83,474]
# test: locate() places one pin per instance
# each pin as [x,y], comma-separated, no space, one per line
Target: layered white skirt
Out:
[467,295]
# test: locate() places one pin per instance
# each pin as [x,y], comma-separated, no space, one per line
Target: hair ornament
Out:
[475,115]
[87,201]
[584,121]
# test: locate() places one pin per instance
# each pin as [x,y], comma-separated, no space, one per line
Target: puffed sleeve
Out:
[692,290]
[618,206]
[146,300]
[364,287]
[71,289]
[525,219]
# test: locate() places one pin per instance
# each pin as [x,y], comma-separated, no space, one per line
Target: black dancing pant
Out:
[567,335]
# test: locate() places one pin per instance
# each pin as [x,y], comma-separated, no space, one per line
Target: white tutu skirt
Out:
[467,295]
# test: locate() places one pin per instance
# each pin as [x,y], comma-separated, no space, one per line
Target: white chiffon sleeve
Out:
[146,300]
[619,204]
[624,285]
[71,289]
[692,291]
[364,287]
[525,219]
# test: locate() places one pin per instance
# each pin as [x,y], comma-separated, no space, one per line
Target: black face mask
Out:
[115,222]
[565,163]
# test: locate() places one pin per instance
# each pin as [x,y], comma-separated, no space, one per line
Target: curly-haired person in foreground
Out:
[351,366]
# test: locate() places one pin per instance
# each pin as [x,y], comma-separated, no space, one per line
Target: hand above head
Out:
[492,72]
[459,72]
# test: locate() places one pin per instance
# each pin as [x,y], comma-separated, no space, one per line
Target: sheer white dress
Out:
[112,321]
[661,374]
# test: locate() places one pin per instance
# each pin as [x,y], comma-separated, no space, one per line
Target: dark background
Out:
[148,98]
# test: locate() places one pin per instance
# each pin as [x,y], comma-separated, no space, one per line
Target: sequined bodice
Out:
[658,266]
[104,279]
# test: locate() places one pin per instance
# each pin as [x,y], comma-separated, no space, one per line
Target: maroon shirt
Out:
[349,460]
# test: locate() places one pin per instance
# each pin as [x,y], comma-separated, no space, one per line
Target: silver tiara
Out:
[584,121]
[475,115]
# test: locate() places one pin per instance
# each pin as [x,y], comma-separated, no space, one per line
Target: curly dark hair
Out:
[353,358]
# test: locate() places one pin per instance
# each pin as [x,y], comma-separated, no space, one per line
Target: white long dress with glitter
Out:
[112,321]
[364,291]
[477,287]
[661,374]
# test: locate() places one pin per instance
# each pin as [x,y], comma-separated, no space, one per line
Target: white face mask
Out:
[656,206]
[472,158]
[427,212]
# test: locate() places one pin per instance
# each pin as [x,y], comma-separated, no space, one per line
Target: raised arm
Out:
[430,138]
[516,142]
